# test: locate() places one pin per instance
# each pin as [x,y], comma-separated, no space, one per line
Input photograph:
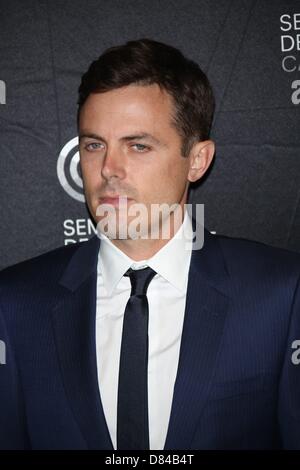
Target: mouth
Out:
[116,200]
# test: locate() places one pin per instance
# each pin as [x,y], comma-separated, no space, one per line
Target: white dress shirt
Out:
[166,298]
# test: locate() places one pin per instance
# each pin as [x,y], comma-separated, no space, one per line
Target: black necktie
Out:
[132,414]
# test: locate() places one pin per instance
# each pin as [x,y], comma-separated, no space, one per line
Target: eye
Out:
[92,146]
[141,147]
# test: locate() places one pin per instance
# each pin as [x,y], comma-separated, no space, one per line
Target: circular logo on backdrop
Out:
[68,170]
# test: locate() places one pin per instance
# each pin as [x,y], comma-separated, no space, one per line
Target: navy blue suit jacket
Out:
[236,386]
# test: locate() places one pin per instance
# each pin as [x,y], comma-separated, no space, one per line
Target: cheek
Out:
[91,172]
[176,174]
[163,184]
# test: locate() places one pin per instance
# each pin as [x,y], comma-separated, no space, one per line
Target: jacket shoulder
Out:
[258,257]
[40,269]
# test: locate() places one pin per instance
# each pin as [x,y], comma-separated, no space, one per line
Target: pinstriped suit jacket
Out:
[236,387]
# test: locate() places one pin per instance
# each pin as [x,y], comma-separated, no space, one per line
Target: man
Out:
[133,341]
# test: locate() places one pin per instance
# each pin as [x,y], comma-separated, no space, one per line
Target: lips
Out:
[114,200]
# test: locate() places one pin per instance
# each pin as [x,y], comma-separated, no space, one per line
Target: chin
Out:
[122,228]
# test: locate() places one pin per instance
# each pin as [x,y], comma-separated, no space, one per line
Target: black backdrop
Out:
[251,53]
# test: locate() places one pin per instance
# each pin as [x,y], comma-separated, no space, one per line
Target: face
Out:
[129,148]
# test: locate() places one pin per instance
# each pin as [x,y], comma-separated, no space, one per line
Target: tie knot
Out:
[140,280]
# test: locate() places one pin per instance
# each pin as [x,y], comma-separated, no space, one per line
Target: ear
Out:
[201,156]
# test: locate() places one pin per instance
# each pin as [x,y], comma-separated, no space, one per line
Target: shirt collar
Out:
[171,261]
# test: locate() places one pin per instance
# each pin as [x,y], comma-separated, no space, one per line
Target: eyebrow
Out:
[140,136]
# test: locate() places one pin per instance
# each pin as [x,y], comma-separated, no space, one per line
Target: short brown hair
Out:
[145,62]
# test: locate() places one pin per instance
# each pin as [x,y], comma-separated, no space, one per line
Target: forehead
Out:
[128,107]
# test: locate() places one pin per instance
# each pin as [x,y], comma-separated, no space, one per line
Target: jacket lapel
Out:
[205,313]
[74,329]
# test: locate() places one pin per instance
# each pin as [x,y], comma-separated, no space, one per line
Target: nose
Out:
[113,165]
